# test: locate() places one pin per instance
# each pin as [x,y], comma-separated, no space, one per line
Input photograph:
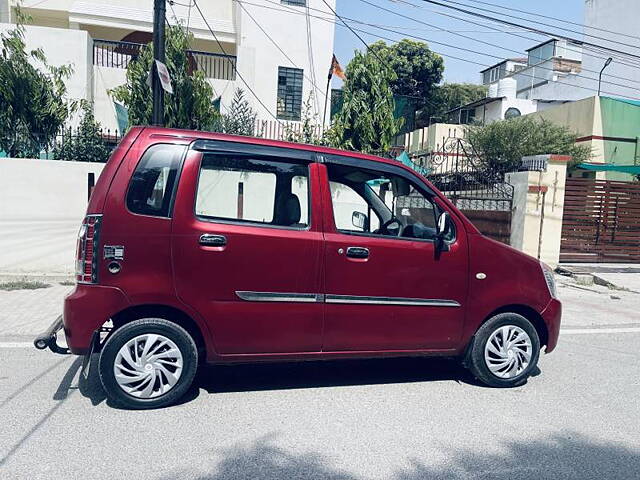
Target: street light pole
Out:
[159,10]
[606,64]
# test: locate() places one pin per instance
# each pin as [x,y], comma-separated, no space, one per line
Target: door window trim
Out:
[252,223]
[391,169]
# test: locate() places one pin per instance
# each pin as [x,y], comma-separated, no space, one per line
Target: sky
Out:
[455,70]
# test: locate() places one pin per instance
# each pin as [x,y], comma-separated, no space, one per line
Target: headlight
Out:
[550,279]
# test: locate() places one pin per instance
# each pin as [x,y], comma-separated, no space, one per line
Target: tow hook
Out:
[49,338]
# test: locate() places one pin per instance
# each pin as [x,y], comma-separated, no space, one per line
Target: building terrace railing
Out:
[107,53]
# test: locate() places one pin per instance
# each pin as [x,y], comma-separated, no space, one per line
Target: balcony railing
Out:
[107,53]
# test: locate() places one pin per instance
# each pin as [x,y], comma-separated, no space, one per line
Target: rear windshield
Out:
[152,185]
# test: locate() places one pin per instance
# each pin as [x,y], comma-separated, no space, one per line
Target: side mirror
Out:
[443,224]
[360,220]
[442,229]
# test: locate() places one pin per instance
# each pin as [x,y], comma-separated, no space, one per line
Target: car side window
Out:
[253,190]
[152,184]
[386,205]
[347,203]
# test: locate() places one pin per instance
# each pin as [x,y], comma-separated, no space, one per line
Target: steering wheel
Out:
[384,228]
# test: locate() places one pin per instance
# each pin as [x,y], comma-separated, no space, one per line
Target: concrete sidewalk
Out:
[29,312]
[620,275]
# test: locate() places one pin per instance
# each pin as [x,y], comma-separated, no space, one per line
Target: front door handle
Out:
[357,252]
[210,240]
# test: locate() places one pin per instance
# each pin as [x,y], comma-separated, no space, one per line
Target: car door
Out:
[388,287]
[247,248]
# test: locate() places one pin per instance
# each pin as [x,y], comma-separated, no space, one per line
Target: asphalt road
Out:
[401,419]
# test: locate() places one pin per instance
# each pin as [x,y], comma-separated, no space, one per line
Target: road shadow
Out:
[310,374]
[567,456]
[329,373]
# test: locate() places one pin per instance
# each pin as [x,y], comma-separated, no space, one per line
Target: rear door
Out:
[387,287]
[247,248]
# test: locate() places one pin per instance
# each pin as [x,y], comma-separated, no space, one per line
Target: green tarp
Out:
[608,167]
[405,160]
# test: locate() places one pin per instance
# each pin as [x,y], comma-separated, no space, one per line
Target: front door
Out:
[387,288]
[247,249]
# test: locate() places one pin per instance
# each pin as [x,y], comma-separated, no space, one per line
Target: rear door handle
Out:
[357,252]
[210,240]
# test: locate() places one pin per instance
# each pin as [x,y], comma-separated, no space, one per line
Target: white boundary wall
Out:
[42,203]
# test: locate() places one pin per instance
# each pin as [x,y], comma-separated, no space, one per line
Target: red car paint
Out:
[165,268]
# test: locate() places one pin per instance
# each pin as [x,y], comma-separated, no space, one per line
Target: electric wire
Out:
[235,68]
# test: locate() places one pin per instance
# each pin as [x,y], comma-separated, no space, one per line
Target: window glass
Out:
[253,190]
[151,187]
[297,3]
[389,204]
[289,105]
[345,202]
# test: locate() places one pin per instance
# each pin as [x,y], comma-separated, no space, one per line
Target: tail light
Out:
[87,249]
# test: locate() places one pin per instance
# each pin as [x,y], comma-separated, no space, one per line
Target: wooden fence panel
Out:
[601,221]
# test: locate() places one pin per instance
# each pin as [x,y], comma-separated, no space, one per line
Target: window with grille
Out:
[289,93]
[297,3]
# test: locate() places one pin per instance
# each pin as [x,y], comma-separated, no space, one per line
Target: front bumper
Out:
[551,316]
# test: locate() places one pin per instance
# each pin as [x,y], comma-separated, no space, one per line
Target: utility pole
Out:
[159,9]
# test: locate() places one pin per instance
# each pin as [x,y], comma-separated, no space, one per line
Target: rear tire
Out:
[505,351]
[148,363]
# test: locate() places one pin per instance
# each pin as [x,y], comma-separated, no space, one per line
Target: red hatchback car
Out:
[208,247]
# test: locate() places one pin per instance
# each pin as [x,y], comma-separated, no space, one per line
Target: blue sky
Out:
[455,70]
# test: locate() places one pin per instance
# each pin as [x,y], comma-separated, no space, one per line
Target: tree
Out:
[366,121]
[190,105]
[33,104]
[448,96]
[240,118]
[501,145]
[418,70]
[86,144]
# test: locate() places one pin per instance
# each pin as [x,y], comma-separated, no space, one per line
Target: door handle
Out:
[210,240]
[357,252]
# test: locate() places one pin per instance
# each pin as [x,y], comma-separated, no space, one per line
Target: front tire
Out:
[505,351]
[148,363]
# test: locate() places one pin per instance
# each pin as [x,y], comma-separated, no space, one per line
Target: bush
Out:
[86,143]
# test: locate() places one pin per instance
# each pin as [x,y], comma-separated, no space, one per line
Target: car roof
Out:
[202,135]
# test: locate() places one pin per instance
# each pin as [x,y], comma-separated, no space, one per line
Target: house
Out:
[101,37]
[610,127]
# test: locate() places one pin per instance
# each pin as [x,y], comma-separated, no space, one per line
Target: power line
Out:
[467,60]
[532,29]
[240,2]
[235,68]
[492,45]
[620,59]
[450,56]
[551,18]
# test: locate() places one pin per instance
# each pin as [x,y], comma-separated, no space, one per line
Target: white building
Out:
[100,37]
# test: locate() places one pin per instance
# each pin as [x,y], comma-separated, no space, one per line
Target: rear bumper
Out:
[85,310]
[551,316]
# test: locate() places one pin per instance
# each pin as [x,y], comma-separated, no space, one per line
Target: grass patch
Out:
[67,283]
[23,285]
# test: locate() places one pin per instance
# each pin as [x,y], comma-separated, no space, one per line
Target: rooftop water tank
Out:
[507,87]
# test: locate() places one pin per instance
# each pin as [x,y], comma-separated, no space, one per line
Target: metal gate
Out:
[485,199]
[601,221]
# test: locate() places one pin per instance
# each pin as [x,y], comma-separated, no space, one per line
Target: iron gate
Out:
[485,199]
[601,221]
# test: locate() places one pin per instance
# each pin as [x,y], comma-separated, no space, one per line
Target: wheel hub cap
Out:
[148,366]
[508,351]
